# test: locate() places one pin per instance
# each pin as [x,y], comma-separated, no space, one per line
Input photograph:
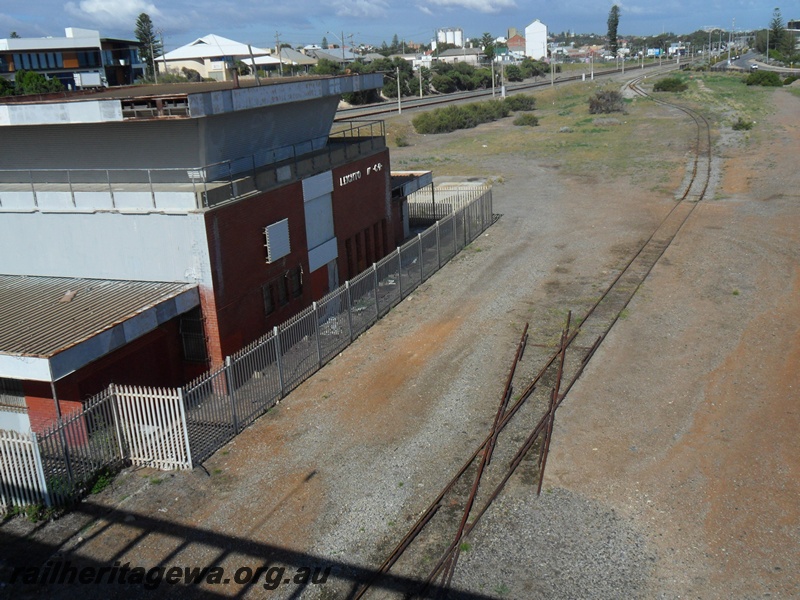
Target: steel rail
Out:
[446,564]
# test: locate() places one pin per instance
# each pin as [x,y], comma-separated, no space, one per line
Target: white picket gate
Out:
[21,477]
[153,426]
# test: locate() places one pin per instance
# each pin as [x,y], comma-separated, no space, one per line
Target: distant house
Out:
[516,45]
[337,55]
[536,40]
[471,56]
[297,60]
[212,56]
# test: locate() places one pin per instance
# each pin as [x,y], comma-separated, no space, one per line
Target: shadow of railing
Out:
[34,568]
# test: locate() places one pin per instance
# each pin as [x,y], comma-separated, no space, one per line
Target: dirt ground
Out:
[687,421]
[684,427]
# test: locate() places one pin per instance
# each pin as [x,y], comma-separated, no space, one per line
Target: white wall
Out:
[139,247]
[536,40]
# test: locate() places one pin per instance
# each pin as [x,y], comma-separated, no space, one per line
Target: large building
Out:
[148,236]
[79,58]
[536,40]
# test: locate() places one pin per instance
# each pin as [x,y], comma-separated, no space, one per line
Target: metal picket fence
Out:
[181,428]
[223,402]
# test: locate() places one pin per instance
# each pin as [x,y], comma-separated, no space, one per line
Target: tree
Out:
[487,43]
[6,87]
[776,29]
[151,46]
[326,67]
[31,82]
[613,25]
[14,35]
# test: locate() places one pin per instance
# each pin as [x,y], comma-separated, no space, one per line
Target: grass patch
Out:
[103,479]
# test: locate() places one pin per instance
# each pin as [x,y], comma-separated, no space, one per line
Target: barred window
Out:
[193,336]
[295,277]
[11,395]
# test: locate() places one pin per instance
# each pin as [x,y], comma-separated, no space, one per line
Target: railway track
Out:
[518,441]
[413,103]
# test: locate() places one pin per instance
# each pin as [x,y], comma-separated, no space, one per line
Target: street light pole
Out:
[399,106]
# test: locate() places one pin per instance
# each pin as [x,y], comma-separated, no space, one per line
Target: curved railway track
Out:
[429,552]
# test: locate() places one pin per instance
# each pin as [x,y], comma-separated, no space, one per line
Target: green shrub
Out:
[742,125]
[513,73]
[606,101]
[527,120]
[466,116]
[791,79]
[520,102]
[670,84]
[765,78]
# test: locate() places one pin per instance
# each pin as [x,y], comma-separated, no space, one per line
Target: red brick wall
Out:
[359,207]
[239,267]
[155,359]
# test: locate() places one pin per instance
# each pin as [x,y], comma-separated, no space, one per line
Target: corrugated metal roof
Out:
[41,316]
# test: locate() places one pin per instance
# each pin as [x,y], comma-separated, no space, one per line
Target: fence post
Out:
[400,272]
[349,309]
[316,335]
[438,247]
[182,406]
[419,253]
[231,393]
[278,359]
[375,292]
[112,389]
[37,459]
[455,233]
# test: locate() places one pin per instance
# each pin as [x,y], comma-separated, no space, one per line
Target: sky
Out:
[302,22]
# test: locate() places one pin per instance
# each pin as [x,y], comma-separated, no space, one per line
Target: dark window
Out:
[296,282]
[280,288]
[193,336]
[269,303]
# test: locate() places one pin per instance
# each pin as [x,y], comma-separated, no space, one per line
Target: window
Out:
[280,288]
[11,395]
[193,336]
[295,277]
[269,303]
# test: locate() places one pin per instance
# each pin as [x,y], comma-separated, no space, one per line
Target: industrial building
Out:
[150,233]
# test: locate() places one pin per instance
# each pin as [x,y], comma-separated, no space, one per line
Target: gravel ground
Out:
[337,473]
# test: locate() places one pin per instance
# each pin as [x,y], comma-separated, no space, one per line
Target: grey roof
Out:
[461,52]
[333,55]
[41,316]
[297,58]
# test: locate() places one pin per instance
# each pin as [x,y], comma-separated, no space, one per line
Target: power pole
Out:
[278,48]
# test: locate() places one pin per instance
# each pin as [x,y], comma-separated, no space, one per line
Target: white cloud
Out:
[482,6]
[425,10]
[108,13]
[370,9]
